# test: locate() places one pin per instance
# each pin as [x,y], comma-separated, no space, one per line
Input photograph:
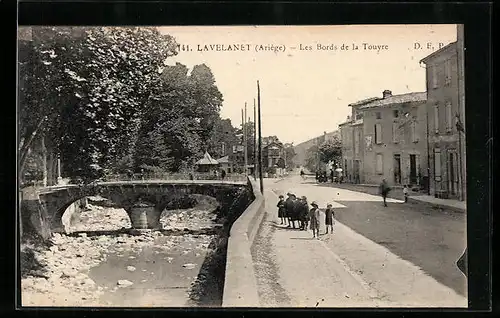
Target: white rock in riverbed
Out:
[189,266]
[124,282]
[131,268]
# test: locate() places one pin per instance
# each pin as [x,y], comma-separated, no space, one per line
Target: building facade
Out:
[395,147]
[273,155]
[385,138]
[447,168]
[352,137]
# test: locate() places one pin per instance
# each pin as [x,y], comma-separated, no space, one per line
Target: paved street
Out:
[403,255]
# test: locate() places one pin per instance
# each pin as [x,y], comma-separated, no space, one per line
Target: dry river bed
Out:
[102,263]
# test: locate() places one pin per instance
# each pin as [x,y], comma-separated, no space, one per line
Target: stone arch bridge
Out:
[144,201]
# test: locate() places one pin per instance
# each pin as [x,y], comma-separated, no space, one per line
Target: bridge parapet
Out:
[152,196]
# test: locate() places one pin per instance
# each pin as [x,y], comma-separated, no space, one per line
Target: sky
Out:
[305,90]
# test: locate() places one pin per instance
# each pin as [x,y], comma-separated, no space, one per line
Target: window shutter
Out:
[434,76]
[436,119]
[395,132]
[379,164]
[447,72]
[414,136]
[437,163]
[378,133]
[448,116]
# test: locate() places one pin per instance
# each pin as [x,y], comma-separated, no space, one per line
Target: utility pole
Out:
[254,140]
[260,140]
[246,140]
[243,132]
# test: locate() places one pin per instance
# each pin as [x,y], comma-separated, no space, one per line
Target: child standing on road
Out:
[314,219]
[405,192]
[281,210]
[329,214]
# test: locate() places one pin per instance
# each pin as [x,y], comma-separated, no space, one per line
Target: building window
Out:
[434,77]
[437,164]
[395,132]
[379,164]
[447,72]
[223,148]
[413,129]
[436,119]
[378,115]
[448,116]
[395,113]
[378,134]
[359,115]
[356,142]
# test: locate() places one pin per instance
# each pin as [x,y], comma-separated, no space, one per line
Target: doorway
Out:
[356,171]
[413,169]
[452,165]
[397,169]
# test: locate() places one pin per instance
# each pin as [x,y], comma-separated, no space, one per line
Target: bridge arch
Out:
[143,201]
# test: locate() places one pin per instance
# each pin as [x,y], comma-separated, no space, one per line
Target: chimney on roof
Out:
[386,93]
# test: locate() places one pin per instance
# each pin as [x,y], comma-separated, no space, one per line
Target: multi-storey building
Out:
[385,139]
[447,168]
[395,146]
[351,135]
[272,154]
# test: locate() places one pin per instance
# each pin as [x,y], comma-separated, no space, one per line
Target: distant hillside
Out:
[301,149]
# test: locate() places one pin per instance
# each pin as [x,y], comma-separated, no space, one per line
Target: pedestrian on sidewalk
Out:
[405,192]
[329,214]
[290,209]
[303,213]
[281,209]
[314,215]
[384,190]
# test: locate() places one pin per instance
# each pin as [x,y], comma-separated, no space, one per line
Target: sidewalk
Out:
[397,193]
[343,269]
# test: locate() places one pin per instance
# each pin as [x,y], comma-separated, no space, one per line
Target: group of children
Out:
[297,209]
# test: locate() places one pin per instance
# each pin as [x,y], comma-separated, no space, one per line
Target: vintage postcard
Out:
[242,166]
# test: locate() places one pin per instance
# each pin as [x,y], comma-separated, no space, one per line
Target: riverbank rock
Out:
[131,268]
[124,283]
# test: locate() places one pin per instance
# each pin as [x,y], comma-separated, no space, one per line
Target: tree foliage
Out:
[91,85]
[289,155]
[331,150]
[312,158]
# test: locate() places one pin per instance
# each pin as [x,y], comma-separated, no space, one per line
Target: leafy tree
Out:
[289,155]
[312,158]
[181,123]
[223,133]
[86,88]
[331,150]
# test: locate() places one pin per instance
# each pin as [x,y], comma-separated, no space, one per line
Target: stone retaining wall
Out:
[240,285]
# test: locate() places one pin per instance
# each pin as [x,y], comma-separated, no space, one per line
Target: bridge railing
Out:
[174,176]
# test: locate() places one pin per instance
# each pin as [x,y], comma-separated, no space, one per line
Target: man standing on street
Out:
[384,190]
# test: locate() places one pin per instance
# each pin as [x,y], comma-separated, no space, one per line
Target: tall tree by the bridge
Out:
[85,89]
[223,138]
[124,68]
[177,128]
